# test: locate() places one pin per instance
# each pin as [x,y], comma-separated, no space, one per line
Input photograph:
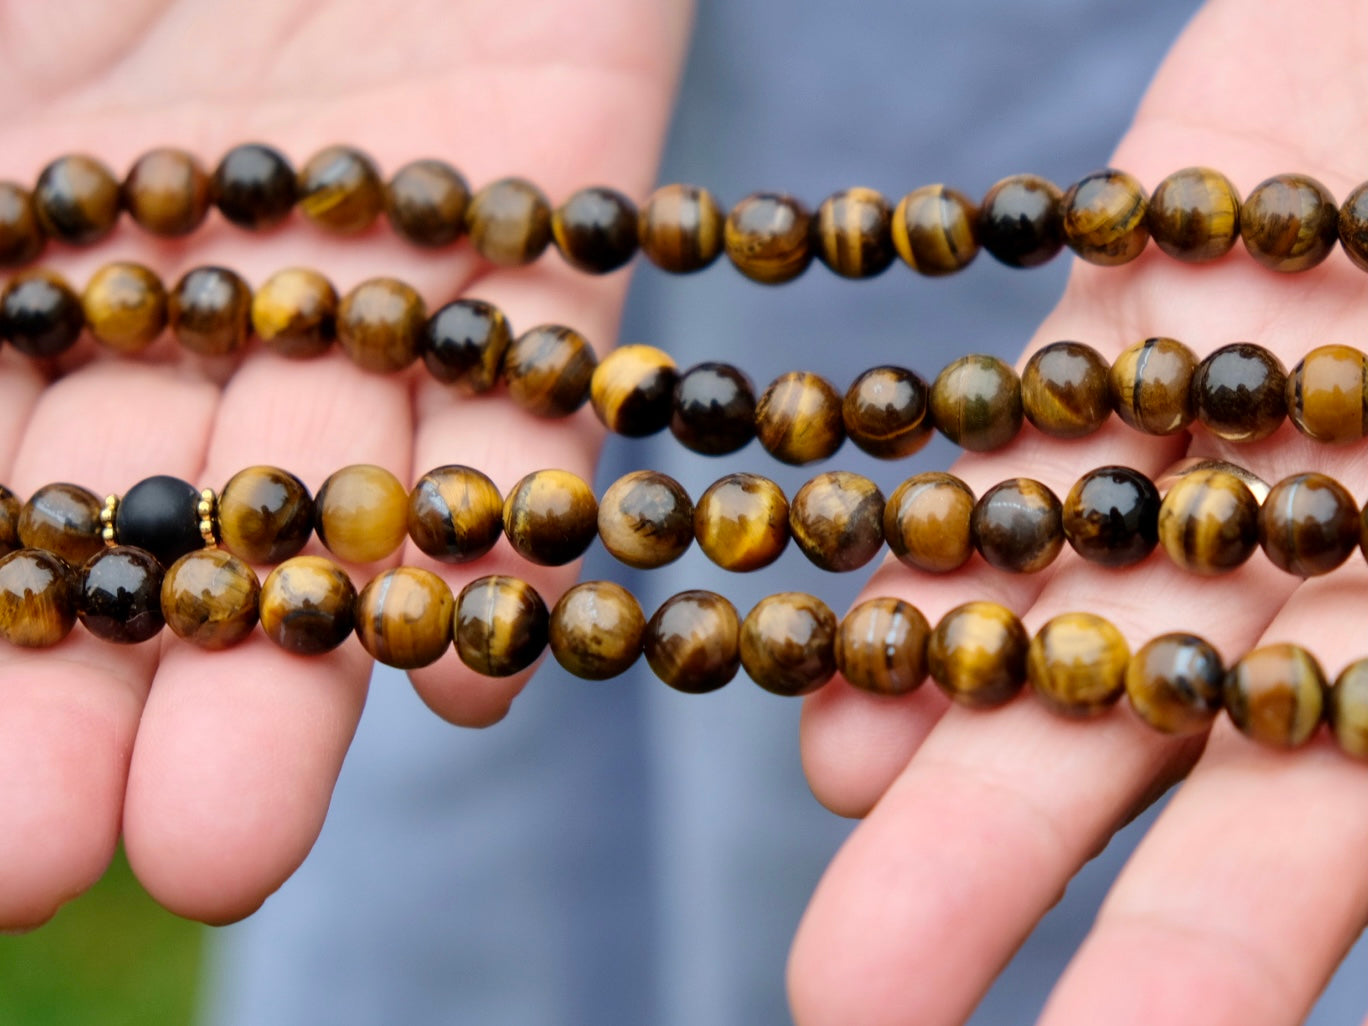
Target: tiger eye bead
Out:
[455,514]
[501,625]
[854,233]
[788,643]
[1353,226]
[976,403]
[1327,394]
[1021,221]
[21,236]
[76,199]
[977,654]
[426,203]
[1194,215]
[380,324]
[1308,525]
[1289,223]
[1111,516]
[265,514]
[294,313]
[63,519]
[596,630]
[881,647]
[1240,392]
[166,192]
[1276,695]
[464,343]
[926,522]
[1016,526]
[1348,709]
[1151,386]
[935,230]
[404,617]
[120,595]
[39,314]
[210,598]
[254,186]
[713,409]
[160,514]
[693,642]
[798,418]
[632,390]
[549,370]
[9,520]
[124,306]
[741,522]
[38,595]
[361,513]
[1104,218]
[509,222]
[1064,390]
[1174,683]
[210,311]
[1077,665]
[645,519]
[596,230]
[339,189]
[1209,522]
[837,520]
[308,605]
[886,412]
[680,228]
[550,517]
[768,237]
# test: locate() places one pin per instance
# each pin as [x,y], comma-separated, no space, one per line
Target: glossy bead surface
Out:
[166,192]
[159,514]
[798,418]
[1327,394]
[596,230]
[339,189]
[788,643]
[596,630]
[1151,386]
[39,314]
[1239,392]
[1308,525]
[63,519]
[1104,218]
[76,199]
[768,237]
[713,409]
[1348,709]
[1111,516]
[210,598]
[1276,695]
[464,343]
[38,595]
[632,390]
[380,324]
[1016,526]
[361,513]
[455,514]
[680,228]
[977,654]
[501,625]
[926,522]
[124,306]
[1194,215]
[976,403]
[405,616]
[935,230]
[426,203]
[21,236]
[254,186]
[1209,522]
[836,519]
[1174,683]
[210,311]
[549,370]
[1353,226]
[265,514]
[1289,222]
[1021,222]
[881,647]
[10,507]
[550,517]
[741,522]
[1077,665]
[1064,390]
[294,313]
[509,222]
[308,605]
[887,412]
[693,642]
[854,233]
[120,596]
[645,519]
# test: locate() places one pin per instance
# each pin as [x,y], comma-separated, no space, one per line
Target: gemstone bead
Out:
[693,642]
[1308,525]
[977,654]
[926,522]
[596,230]
[1276,695]
[166,192]
[1077,664]
[836,519]
[339,189]
[265,514]
[741,522]
[159,514]
[935,230]
[76,199]
[976,403]
[210,598]
[1348,709]
[120,595]
[787,643]
[509,222]
[1151,386]
[308,605]
[21,236]
[1209,522]
[294,313]
[1353,226]
[646,519]
[550,517]
[1021,221]
[680,228]
[886,412]
[713,409]
[1289,222]
[1016,526]
[39,314]
[881,647]
[596,630]
[38,596]
[768,237]
[63,519]
[254,186]
[1327,394]
[426,203]
[455,514]
[798,418]
[1111,516]
[1239,392]
[853,233]
[549,370]
[1194,215]
[10,507]
[632,390]
[1064,390]
[463,344]
[1104,218]
[405,616]
[1174,683]
[380,325]
[210,311]
[361,513]
[501,625]
[124,305]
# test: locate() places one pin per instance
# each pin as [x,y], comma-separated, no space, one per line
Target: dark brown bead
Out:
[1353,226]
[464,343]
[680,228]
[935,230]
[76,199]
[854,233]
[1104,218]
[21,236]
[886,412]
[977,654]
[976,403]
[1289,222]
[501,625]
[1021,221]
[294,313]
[125,307]
[210,311]
[63,519]
[455,514]
[308,605]
[714,409]
[265,514]
[1194,215]
[210,598]
[1077,665]
[509,222]
[120,596]
[881,647]
[550,517]
[1151,386]
[1276,695]
[1016,526]
[549,370]
[339,189]
[646,519]
[361,513]
[38,595]
[1348,709]
[426,203]
[405,616]
[166,192]
[798,418]
[1209,522]
[693,642]
[254,186]
[632,390]
[926,522]
[380,324]
[1240,392]
[39,314]
[596,630]
[1111,516]
[836,518]
[1308,525]
[10,507]
[596,230]
[1327,394]
[741,522]
[1064,390]
[768,237]
[1175,682]
[788,643]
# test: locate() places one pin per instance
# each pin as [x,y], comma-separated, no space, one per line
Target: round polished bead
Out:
[39,314]
[550,517]
[254,186]
[1309,524]
[405,616]
[646,519]
[166,192]
[680,228]
[1021,221]
[768,237]
[1289,222]
[1209,522]
[1240,392]
[854,233]
[1064,390]
[741,522]
[124,306]
[509,222]
[713,410]
[455,514]
[1327,394]
[1111,516]
[294,313]
[549,370]
[21,236]
[632,390]
[501,625]
[63,519]
[76,199]
[10,507]
[1077,665]
[926,522]
[976,402]
[361,513]
[977,654]
[1016,526]
[210,598]
[38,595]
[1348,709]
[1276,695]
[1174,683]
[464,343]
[380,324]
[886,412]
[1353,226]
[596,630]
[693,642]
[935,230]
[160,514]
[426,203]
[1151,386]
[265,514]
[798,418]
[596,230]
[837,520]
[788,643]
[1194,215]
[1104,218]
[339,189]
[210,311]
[881,647]
[120,596]
[308,605]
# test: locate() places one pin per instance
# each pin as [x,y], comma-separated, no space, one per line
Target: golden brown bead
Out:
[550,517]
[1174,683]
[265,514]
[1064,390]
[125,306]
[404,617]
[1353,226]
[464,344]
[1016,526]
[21,236]
[977,654]
[768,237]
[210,310]
[1289,222]
[596,630]
[1276,695]
[509,222]
[1240,392]
[455,514]
[926,522]
[693,642]
[714,409]
[549,370]
[63,519]
[645,519]
[380,325]
[308,605]
[680,228]
[788,643]
[166,192]
[254,186]
[1111,516]
[741,522]
[632,390]
[10,507]
[1151,386]
[798,418]
[596,230]
[1020,221]
[39,314]
[1077,664]
[1348,709]
[881,647]
[976,402]
[854,235]
[501,625]
[1104,218]
[935,230]
[76,199]
[1194,215]
[38,593]
[426,203]
[210,598]
[1308,525]
[119,598]
[339,189]
[1327,394]
[1209,522]
[361,513]
[836,518]
[886,412]
[294,312]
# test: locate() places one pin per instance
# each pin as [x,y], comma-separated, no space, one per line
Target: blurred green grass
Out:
[112,957]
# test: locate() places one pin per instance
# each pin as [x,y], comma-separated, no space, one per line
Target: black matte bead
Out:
[120,597]
[159,514]
[714,409]
[254,186]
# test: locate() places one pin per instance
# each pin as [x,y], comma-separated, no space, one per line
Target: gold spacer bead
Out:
[207,509]
[108,513]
